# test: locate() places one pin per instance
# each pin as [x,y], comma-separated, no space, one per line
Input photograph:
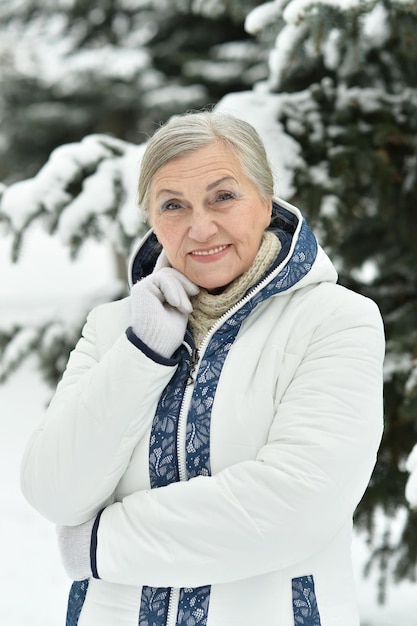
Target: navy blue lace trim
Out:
[76,599]
[304,602]
[154,606]
[302,259]
[193,606]
[163,466]
[163,470]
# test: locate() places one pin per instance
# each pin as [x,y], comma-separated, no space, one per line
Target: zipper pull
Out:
[192,367]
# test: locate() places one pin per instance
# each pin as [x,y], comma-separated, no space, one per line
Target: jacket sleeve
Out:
[275,511]
[102,407]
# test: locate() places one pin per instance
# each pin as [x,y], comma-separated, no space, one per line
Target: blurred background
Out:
[332,89]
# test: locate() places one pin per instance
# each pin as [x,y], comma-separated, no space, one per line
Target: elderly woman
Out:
[214,431]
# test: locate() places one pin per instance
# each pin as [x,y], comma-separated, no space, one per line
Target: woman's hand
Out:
[161,306]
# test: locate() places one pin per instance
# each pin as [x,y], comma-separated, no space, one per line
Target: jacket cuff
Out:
[93,546]
[158,358]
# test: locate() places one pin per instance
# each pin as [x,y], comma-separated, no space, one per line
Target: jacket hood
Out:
[300,262]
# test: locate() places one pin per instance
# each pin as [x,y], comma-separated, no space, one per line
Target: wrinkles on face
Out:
[208,215]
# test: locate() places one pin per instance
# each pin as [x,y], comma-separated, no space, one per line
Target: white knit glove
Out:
[161,306]
[74,547]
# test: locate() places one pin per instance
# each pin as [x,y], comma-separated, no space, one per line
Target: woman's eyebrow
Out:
[172,192]
[169,192]
[218,182]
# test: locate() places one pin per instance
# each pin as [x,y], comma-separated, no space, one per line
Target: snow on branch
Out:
[308,30]
[21,343]
[296,10]
[50,342]
[263,16]
[85,189]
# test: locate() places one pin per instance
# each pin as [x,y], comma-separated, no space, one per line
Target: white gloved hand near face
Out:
[161,306]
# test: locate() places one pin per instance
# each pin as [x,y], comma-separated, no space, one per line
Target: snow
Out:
[295,10]
[170,94]
[223,72]
[262,16]
[411,487]
[33,585]
[375,25]
[329,206]
[208,8]
[46,278]
[47,188]
[289,18]
[115,62]
[396,363]
[368,272]
[261,110]
[45,283]
[412,379]
[331,49]
[108,169]
[46,48]
[280,56]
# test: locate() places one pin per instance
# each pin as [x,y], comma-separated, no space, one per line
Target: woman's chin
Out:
[214,286]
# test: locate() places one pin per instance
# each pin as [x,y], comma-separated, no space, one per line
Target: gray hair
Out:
[186,133]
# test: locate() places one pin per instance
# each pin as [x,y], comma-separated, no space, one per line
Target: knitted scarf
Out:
[208,307]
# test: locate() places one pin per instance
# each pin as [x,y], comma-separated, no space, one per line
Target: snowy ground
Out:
[33,587]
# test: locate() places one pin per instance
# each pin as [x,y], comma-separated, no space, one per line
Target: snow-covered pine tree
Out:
[78,67]
[346,76]
[85,190]
[69,69]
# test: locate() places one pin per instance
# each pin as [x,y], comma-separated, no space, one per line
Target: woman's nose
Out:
[202,226]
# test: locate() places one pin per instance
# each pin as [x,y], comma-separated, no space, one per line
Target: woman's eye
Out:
[223,196]
[171,205]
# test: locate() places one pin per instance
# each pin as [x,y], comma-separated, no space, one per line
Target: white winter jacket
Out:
[223,497]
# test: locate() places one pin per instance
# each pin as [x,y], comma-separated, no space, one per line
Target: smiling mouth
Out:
[209,252]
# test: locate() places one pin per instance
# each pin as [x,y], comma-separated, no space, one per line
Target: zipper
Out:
[185,405]
[174,594]
[174,597]
[188,383]
[194,358]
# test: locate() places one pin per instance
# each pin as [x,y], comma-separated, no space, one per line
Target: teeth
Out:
[208,252]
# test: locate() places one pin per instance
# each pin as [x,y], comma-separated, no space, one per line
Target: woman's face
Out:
[208,215]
